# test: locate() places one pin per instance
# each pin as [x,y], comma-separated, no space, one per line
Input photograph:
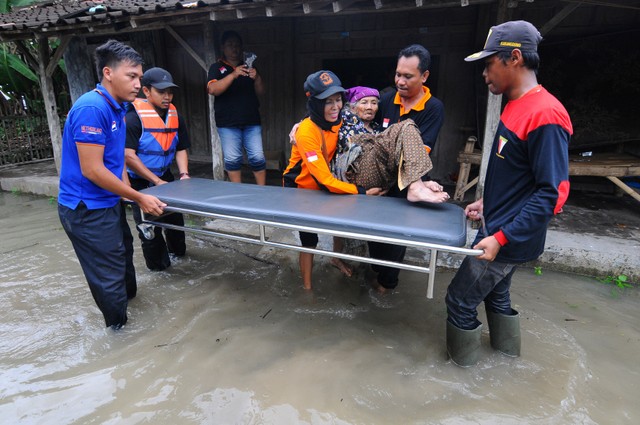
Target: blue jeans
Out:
[236,139]
[477,281]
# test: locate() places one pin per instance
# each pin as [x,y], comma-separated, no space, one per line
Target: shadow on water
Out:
[222,338]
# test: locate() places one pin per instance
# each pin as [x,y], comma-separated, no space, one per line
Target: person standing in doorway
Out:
[527,183]
[93,180]
[156,134]
[236,86]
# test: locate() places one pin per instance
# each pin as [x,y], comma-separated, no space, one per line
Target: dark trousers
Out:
[388,276]
[156,250]
[477,281]
[103,244]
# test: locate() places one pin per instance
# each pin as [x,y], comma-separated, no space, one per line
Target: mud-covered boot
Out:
[463,346]
[504,332]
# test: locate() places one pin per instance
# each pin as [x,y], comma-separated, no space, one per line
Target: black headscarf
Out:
[315,107]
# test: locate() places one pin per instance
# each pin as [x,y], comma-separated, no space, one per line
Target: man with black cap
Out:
[527,183]
[155,135]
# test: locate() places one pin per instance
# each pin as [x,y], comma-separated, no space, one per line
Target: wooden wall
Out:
[447,33]
[289,49]
[272,42]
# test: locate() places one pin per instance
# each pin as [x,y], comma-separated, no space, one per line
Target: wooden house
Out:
[359,40]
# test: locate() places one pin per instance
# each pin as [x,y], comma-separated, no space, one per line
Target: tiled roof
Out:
[73,17]
[58,15]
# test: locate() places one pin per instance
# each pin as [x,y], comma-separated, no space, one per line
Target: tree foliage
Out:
[19,82]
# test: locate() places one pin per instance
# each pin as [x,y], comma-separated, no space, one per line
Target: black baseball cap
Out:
[322,84]
[508,36]
[158,78]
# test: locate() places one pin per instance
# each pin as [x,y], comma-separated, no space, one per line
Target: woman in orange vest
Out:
[316,142]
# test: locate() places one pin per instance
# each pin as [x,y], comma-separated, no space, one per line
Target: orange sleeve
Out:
[309,144]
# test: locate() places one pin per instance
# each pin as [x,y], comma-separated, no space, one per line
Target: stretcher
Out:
[436,227]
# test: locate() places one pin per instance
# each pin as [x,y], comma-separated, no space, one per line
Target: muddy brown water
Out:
[222,338]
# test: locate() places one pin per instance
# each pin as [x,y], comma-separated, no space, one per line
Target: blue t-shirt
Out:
[95,118]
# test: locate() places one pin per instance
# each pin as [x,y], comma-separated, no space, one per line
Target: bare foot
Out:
[342,266]
[380,289]
[372,279]
[433,186]
[418,192]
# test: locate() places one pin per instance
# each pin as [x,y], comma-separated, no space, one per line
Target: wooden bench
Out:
[467,157]
[609,165]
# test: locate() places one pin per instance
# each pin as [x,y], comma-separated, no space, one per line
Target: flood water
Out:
[224,338]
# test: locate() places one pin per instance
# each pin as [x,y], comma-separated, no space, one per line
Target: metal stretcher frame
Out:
[438,228]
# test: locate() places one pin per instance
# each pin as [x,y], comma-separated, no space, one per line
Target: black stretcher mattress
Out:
[443,224]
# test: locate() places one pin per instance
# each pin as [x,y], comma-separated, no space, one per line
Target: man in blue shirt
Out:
[91,182]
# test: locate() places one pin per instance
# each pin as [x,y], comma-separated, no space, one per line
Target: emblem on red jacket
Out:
[502,142]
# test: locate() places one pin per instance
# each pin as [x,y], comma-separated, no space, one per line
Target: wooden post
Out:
[80,74]
[49,96]
[217,161]
[626,189]
[494,105]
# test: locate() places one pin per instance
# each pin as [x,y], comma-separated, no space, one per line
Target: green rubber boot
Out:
[463,346]
[504,332]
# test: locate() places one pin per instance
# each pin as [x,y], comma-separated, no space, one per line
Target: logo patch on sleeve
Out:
[87,129]
[312,156]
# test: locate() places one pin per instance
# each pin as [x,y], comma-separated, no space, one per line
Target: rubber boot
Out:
[504,332]
[463,346]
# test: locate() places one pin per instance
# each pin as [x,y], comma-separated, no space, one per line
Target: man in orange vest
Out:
[156,134]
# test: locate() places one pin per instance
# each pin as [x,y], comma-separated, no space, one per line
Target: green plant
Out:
[52,200]
[537,270]
[16,191]
[620,282]
[19,83]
